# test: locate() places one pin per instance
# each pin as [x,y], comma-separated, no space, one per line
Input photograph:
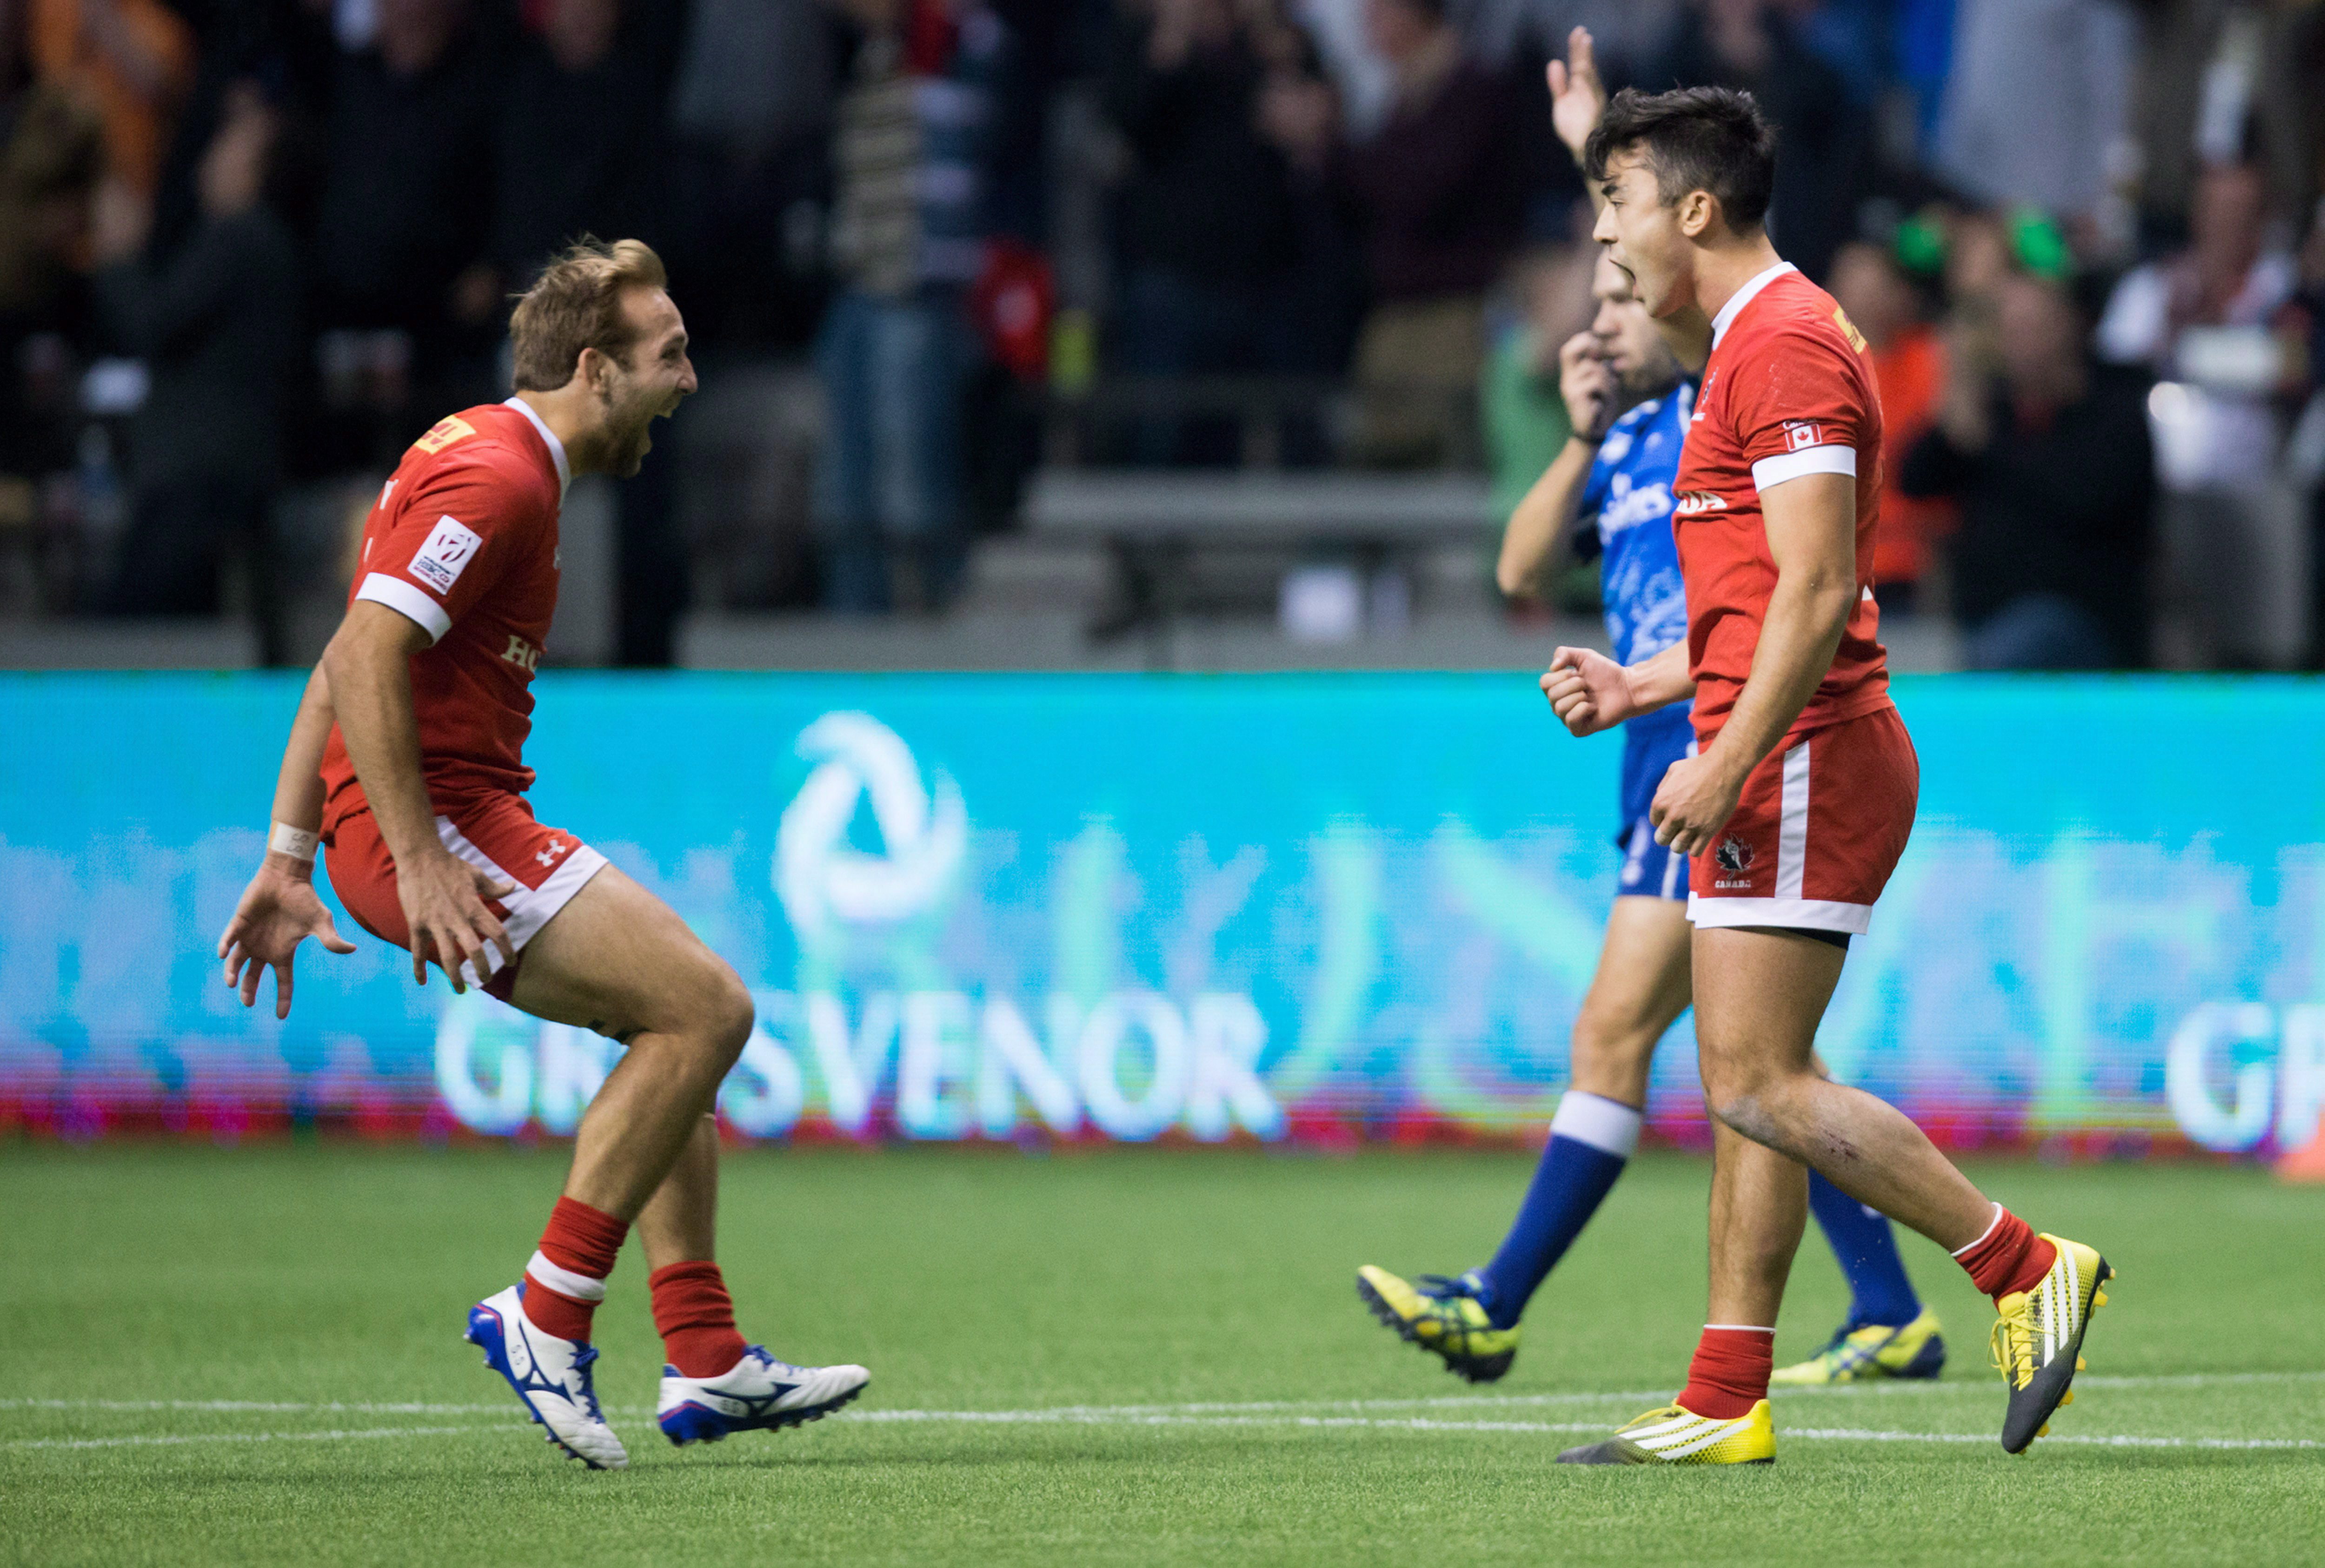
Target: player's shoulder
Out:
[1649,431]
[1793,314]
[490,447]
[488,433]
[1623,435]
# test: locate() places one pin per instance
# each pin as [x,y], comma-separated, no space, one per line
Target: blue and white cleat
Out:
[758,1393]
[550,1375]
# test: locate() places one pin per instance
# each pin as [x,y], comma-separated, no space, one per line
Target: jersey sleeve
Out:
[1798,408]
[460,533]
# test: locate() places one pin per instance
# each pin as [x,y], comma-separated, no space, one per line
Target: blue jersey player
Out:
[1630,403]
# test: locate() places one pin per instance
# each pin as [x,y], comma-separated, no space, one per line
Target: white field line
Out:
[171,1438]
[1099,1419]
[1264,1407]
[1313,1414]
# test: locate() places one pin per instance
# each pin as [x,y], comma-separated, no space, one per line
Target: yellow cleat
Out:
[2038,1340]
[1675,1434]
[1871,1354]
[1444,1316]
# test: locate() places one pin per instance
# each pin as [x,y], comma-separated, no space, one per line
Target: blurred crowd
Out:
[250,248]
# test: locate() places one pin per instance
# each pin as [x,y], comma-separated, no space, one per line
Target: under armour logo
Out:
[549,856]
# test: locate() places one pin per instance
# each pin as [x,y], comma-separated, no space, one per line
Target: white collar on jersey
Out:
[1743,297]
[556,447]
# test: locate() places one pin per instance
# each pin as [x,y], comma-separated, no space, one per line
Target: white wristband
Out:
[294,841]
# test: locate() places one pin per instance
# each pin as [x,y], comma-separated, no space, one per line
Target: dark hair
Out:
[1713,139]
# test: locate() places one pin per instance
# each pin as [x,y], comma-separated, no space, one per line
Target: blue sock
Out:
[1879,1292]
[1591,1139]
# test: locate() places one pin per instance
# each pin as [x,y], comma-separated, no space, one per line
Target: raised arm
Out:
[1577,100]
[279,909]
[1812,527]
[369,663]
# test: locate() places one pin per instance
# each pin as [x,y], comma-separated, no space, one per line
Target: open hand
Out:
[278,911]
[1577,97]
[444,909]
[1588,691]
[1693,803]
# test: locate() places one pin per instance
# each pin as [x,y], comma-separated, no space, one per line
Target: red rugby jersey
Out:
[463,541]
[1788,391]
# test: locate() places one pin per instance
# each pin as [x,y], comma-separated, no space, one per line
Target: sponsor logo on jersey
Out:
[1800,434]
[1695,500]
[451,429]
[451,545]
[1848,329]
[522,654]
[1733,855]
[548,857]
[1633,505]
[1702,396]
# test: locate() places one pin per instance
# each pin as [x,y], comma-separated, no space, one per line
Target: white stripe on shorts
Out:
[528,908]
[1792,826]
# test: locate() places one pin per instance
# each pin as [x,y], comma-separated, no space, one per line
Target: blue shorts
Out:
[1650,870]
[1650,746]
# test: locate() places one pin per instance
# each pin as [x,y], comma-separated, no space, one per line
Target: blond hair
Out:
[575,304]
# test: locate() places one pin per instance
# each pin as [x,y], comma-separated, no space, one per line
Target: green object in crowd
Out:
[2040,245]
[1921,244]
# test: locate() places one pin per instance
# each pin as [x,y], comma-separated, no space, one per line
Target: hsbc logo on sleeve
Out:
[451,545]
[1799,435]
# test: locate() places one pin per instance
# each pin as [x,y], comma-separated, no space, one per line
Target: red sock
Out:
[1729,1374]
[696,1319]
[566,1279]
[2009,1257]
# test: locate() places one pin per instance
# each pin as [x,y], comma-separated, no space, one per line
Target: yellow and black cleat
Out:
[1675,1434]
[1871,1354]
[2038,1340]
[1444,1316]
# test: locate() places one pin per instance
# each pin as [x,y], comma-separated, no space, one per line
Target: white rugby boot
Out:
[550,1375]
[758,1393]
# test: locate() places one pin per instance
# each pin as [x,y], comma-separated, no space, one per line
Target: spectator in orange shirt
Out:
[1909,362]
[132,60]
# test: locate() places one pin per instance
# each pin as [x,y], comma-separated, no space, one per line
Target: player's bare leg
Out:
[1638,991]
[617,960]
[1759,996]
[1759,1209]
[679,1224]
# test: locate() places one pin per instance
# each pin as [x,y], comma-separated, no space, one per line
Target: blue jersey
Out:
[1629,496]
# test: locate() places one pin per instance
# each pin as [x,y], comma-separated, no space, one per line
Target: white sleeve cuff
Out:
[1770,472]
[408,602]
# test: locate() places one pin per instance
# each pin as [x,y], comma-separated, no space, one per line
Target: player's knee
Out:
[1609,1052]
[1745,1114]
[732,1012]
[723,1013]
[1756,1099]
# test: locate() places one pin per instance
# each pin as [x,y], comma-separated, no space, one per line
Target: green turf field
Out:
[1119,1357]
